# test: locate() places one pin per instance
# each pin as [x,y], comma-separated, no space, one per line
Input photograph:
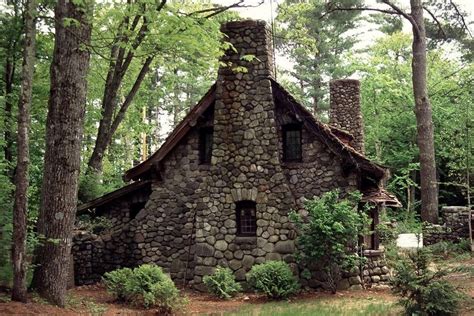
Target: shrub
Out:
[423,291]
[222,283]
[274,278]
[95,225]
[329,234]
[446,249]
[146,285]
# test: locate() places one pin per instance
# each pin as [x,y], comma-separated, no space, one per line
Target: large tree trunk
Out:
[424,120]
[63,147]
[20,205]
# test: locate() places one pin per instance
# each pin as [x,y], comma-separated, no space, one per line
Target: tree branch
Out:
[461,16]
[440,27]
[334,9]
[405,15]
[218,9]
[128,100]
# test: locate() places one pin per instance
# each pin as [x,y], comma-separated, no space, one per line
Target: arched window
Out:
[246,218]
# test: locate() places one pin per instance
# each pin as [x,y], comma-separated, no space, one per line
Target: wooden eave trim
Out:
[325,132]
[112,195]
[173,139]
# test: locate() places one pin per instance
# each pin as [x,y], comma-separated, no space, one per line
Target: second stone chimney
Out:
[345,112]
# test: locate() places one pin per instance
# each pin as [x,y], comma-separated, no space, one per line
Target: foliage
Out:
[343,305]
[423,291]
[146,285]
[446,249]
[95,224]
[274,278]
[316,45]
[222,283]
[390,127]
[329,234]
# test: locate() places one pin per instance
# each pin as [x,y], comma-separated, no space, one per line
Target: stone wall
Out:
[88,258]
[188,225]
[344,110]
[454,227]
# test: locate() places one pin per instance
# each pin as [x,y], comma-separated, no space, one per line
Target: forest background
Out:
[176,62]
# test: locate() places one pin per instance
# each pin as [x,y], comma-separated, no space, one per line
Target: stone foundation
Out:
[454,227]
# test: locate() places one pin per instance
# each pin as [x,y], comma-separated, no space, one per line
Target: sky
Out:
[263,11]
[268,9]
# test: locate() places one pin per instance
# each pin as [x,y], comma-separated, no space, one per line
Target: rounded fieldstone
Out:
[221,245]
[343,285]
[248,262]
[285,247]
[235,264]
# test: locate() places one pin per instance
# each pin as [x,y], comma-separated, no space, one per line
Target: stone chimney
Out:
[345,112]
[249,38]
[245,166]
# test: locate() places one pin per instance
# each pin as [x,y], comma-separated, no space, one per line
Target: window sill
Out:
[373,253]
[245,240]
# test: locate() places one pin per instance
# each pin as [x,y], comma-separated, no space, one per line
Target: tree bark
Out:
[9,77]
[109,124]
[12,52]
[63,147]
[424,120]
[20,205]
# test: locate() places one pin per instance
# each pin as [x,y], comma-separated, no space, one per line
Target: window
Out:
[246,218]
[205,145]
[135,208]
[292,142]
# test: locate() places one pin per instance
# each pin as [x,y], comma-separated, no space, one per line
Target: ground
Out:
[94,300]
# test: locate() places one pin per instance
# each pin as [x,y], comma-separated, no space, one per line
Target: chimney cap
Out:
[345,81]
[243,23]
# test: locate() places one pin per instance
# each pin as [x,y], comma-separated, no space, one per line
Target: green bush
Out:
[422,290]
[329,234]
[95,225]
[222,283]
[146,285]
[446,249]
[274,278]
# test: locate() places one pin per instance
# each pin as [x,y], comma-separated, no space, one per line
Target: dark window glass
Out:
[205,145]
[246,218]
[292,142]
[135,208]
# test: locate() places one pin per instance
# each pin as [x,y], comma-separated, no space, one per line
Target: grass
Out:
[80,303]
[323,307]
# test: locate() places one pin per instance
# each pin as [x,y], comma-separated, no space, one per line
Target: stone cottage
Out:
[219,189]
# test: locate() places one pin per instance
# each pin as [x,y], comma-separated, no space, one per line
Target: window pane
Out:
[292,143]
[205,145]
[246,219]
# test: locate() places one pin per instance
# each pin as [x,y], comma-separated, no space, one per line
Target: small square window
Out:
[292,142]
[246,218]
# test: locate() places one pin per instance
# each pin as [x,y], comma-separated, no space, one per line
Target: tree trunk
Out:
[424,120]
[20,205]
[9,77]
[15,30]
[63,147]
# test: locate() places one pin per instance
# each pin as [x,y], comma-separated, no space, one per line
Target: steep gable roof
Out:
[176,135]
[335,139]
